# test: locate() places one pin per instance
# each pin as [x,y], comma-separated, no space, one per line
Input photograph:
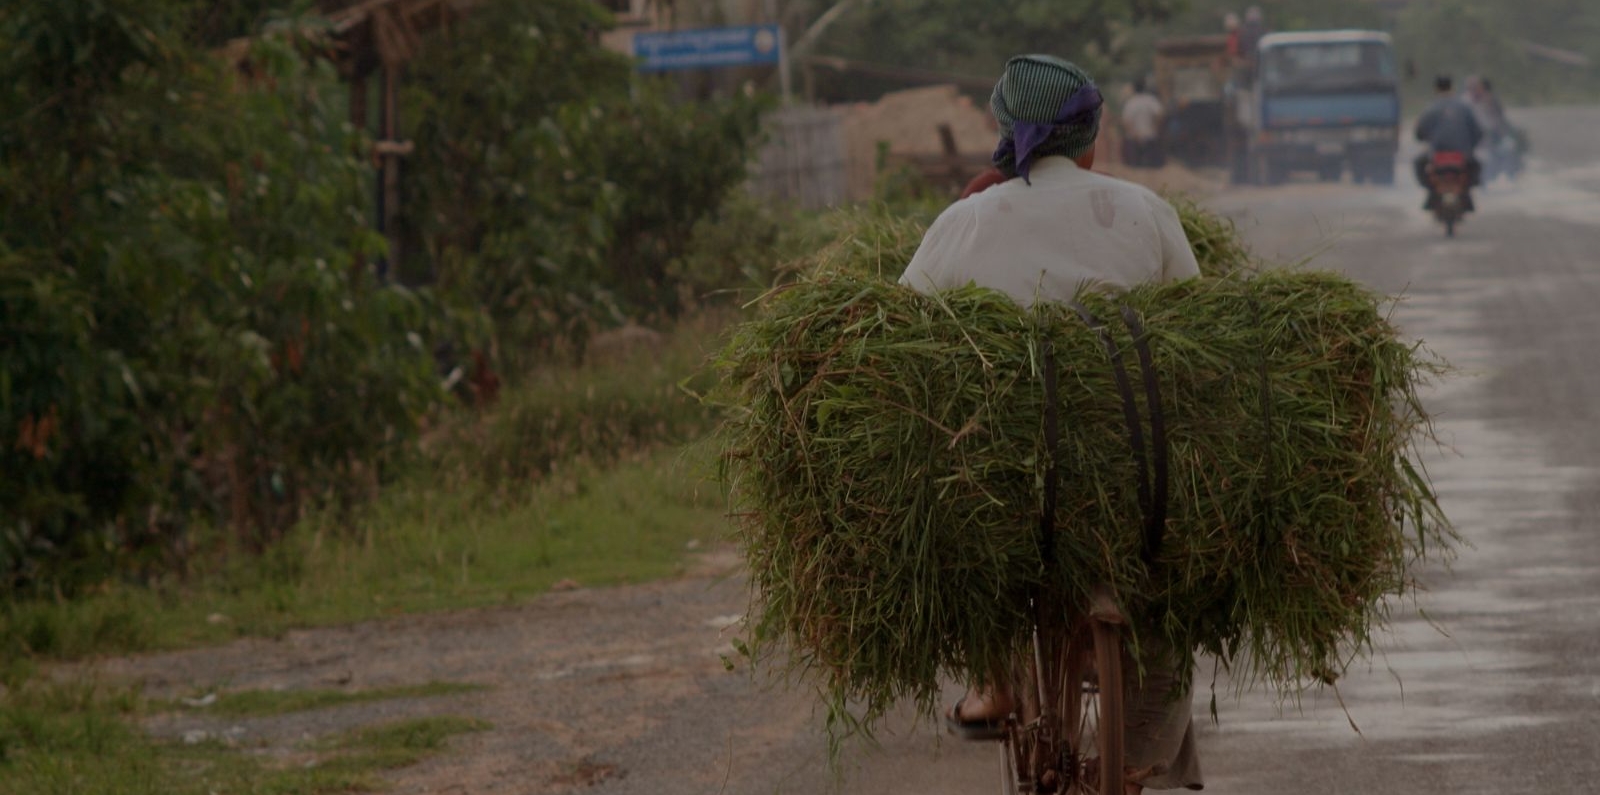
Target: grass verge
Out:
[418,550]
[80,737]
[585,475]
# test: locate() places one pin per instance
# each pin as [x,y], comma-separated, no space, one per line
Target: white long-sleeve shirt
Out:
[1043,241]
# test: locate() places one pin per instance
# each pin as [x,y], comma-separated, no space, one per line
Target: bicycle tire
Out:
[1110,738]
[1061,741]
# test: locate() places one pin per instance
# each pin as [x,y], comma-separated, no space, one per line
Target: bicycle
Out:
[1066,735]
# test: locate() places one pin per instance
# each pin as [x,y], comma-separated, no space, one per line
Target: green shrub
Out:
[186,328]
[638,400]
[189,335]
[552,185]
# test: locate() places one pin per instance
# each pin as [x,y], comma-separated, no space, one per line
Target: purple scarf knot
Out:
[1027,136]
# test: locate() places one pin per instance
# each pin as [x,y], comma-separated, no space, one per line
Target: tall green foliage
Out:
[185,325]
[551,184]
[188,328]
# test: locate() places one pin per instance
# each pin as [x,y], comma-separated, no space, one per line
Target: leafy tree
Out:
[551,184]
[214,22]
[185,330]
[188,333]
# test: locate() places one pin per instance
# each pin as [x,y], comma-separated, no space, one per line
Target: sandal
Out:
[981,729]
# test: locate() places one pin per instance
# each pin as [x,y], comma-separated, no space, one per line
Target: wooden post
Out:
[358,120]
[358,102]
[389,190]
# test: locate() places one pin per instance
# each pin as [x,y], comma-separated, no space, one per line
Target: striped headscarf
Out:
[1045,106]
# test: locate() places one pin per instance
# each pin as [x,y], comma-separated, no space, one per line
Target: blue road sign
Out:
[708,48]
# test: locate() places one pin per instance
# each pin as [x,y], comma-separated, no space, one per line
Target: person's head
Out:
[1230,22]
[1253,15]
[1045,106]
[1483,83]
[1474,85]
[1443,84]
[1138,85]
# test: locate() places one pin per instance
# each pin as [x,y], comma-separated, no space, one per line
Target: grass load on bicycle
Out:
[886,454]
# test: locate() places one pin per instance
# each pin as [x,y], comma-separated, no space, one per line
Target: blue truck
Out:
[1318,101]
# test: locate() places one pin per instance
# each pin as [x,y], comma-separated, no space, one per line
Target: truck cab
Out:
[1320,101]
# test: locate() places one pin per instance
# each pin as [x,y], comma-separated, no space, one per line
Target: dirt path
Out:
[569,678]
[607,690]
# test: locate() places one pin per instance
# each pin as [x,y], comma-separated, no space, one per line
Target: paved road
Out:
[1509,699]
[1501,693]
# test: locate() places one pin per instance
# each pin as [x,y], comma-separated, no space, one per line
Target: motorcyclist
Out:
[1448,125]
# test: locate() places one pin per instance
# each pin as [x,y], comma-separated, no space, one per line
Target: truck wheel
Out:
[1330,172]
[1381,172]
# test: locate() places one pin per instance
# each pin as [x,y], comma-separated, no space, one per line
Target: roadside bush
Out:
[186,328]
[734,254]
[642,397]
[190,336]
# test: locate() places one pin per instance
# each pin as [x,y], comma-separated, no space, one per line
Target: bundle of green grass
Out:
[886,454]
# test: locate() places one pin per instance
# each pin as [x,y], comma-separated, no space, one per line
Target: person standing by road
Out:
[1142,116]
[1051,229]
[1250,33]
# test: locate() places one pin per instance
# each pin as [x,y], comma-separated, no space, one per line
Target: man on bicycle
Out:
[1051,228]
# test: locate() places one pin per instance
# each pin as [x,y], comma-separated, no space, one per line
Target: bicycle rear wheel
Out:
[1068,735]
[1106,714]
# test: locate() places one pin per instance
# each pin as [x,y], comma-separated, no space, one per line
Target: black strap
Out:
[1130,410]
[1155,518]
[1052,436]
[1267,501]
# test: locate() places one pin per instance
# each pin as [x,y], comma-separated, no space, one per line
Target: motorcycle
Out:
[1451,185]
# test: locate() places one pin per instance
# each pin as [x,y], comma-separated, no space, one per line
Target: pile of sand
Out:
[908,123]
